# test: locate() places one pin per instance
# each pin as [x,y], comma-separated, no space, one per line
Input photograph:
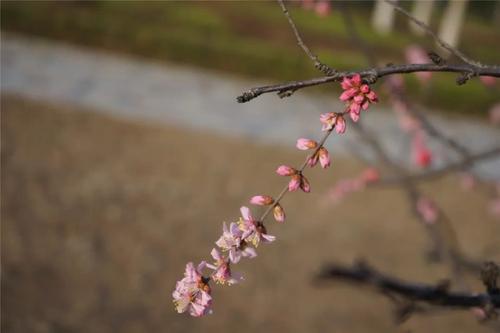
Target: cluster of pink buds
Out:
[240,239]
[357,95]
[320,155]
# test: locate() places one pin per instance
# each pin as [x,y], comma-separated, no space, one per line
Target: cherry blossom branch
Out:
[300,171]
[439,172]
[370,75]
[438,294]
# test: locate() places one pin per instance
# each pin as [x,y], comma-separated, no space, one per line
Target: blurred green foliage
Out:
[250,38]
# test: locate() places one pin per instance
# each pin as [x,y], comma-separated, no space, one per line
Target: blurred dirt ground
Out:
[99,217]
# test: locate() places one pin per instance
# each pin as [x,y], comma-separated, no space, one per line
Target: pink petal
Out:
[246,214]
[305,144]
[340,125]
[262,200]
[294,183]
[324,158]
[285,170]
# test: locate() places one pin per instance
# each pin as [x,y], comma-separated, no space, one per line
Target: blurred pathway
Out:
[195,98]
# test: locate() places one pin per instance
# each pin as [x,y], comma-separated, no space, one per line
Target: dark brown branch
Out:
[370,75]
[438,172]
[432,294]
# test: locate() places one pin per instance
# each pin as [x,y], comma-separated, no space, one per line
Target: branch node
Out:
[436,58]
[286,93]
[489,275]
[325,69]
[464,77]
[247,96]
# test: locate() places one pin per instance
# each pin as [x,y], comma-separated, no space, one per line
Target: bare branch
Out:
[432,294]
[370,75]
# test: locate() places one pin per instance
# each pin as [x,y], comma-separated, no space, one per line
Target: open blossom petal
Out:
[192,293]
[246,214]
[305,144]
[222,271]
[262,200]
[285,170]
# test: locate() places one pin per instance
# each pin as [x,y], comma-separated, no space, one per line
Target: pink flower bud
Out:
[305,144]
[279,213]
[313,160]
[372,96]
[285,170]
[324,158]
[262,200]
[304,185]
[294,183]
[370,175]
[340,125]
[365,89]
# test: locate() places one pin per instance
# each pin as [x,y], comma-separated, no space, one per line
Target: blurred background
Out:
[123,149]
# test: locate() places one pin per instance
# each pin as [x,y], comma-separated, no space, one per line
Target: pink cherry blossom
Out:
[285,170]
[422,156]
[322,8]
[222,270]
[192,293]
[233,242]
[305,144]
[427,210]
[262,200]
[253,231]
[357,96]
[324,157]
[279,213]
[332,120]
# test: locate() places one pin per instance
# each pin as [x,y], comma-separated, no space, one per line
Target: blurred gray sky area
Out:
[135,89]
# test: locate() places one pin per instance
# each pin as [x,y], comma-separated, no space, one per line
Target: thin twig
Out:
[431,33]
[317,63]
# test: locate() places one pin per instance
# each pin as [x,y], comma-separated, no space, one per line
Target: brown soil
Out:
[99,217]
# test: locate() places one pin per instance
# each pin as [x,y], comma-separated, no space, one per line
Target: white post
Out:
[383,17]
[422,10]
[452,22]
